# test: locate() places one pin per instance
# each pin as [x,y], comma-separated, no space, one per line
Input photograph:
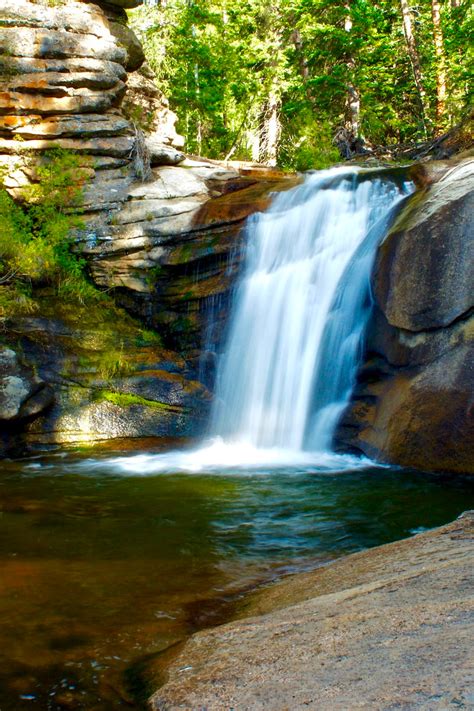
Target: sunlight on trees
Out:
[277,82]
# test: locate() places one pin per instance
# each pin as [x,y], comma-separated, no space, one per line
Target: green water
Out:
[100,572]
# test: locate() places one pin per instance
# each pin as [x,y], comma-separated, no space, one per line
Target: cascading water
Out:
[296,331]
[300,312]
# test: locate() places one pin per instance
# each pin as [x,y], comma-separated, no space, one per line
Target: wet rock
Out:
[109,379]
[413,403]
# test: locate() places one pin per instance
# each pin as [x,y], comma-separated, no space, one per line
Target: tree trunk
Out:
[440,64]
[414,59]
[352,110]
[270,129]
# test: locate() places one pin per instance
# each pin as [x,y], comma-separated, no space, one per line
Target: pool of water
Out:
[102,568]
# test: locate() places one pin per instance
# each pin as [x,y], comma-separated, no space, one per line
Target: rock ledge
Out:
[388,628]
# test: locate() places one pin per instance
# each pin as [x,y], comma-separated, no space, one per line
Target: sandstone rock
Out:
[116,147]
[127,38]
[22,394]
[70,102]
[82,125]
[83,18]
[161,154]
[52,44]
[425,271]
[150,209]
[146,106]
[170,183]
[53,83]
[13,392]
[14,67]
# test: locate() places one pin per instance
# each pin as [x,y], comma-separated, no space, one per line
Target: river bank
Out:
[385,628]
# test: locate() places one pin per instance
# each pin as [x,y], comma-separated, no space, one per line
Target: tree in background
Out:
[279,82]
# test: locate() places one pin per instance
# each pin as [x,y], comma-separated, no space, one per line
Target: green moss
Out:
[113,363]
[127,399]
[148,338]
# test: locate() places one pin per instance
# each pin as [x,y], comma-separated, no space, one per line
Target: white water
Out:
[295,338]
[296,331]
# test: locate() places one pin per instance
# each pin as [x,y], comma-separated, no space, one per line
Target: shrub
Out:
[36,236]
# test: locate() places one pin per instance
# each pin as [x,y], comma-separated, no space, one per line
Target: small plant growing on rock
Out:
[36,236]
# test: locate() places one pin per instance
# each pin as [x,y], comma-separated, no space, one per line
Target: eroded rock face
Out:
[107,378]
[168,248]
[64,68]
[146,105]
[414,402]
[172,254]
[23,394]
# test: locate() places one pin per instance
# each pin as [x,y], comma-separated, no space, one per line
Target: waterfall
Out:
[297,326]
[296,330]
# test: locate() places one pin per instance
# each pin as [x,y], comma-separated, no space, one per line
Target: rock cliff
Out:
[414,401]
[168,248]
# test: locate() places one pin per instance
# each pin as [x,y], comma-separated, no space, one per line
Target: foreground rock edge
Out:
[388,627]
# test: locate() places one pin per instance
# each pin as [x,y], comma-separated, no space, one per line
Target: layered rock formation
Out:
[64,69]
[414,402]
[168,248]
[98,375]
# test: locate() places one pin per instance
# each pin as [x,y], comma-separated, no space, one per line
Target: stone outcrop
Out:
[386,628]
[64,68]
[98,375]
[172,253]
[168,248]
[146,106]
[414,404]
[22,393]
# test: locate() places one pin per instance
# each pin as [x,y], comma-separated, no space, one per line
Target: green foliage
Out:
[222,63]
[36,236]
[307,145]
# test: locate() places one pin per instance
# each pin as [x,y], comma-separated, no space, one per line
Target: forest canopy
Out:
[294,82]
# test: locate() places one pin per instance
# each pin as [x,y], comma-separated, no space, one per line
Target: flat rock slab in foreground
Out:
[388,628]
